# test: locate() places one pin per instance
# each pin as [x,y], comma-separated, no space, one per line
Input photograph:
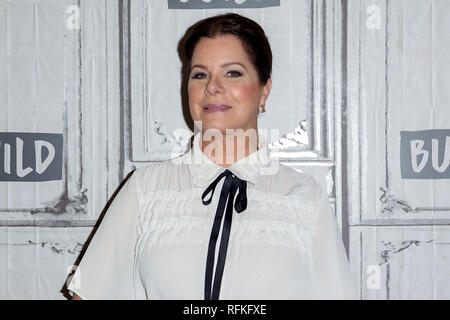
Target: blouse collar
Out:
[204,170]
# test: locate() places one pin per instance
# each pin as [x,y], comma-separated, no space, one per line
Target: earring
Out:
[262,109]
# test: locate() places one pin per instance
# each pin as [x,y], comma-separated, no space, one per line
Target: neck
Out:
[225,149]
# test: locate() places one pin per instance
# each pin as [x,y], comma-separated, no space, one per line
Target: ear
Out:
[266,91]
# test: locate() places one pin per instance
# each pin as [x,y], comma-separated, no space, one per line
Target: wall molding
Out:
[73,207]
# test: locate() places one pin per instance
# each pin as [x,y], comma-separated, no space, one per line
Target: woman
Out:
[168,235]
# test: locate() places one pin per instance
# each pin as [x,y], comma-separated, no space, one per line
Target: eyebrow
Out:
[222,66]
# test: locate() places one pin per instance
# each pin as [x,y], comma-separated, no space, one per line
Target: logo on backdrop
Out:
[425,154]
[215,4]
[30,156]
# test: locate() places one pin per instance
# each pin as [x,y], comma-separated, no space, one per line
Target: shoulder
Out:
[308,195]
[160,174]
[296,184]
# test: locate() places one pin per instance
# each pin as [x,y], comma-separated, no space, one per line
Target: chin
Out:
[209,124]
[219,127]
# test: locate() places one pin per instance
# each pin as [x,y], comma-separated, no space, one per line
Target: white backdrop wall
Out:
[359,100]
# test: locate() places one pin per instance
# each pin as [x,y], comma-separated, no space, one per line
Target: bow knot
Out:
[235,183]
[231,185]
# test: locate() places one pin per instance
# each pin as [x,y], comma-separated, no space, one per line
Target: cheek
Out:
[246,94]
[194,94]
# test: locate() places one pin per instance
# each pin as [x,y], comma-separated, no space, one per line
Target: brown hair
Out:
[252,36]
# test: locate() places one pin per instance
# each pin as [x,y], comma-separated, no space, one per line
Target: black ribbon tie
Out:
[230,186]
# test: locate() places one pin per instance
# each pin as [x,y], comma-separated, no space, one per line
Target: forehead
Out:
[219,49]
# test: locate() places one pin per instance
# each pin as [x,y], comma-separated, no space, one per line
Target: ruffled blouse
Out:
[153,240]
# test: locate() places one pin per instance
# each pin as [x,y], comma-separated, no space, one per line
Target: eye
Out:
[196,76]
[235,73]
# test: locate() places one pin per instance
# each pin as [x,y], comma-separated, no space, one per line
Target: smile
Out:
[216,108]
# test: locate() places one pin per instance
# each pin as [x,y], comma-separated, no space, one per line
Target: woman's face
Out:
[222,75]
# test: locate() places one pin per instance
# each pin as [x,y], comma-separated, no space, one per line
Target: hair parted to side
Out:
[252,36]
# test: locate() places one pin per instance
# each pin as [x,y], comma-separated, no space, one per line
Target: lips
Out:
[216,108]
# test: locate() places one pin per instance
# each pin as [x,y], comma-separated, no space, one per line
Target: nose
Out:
[214,86]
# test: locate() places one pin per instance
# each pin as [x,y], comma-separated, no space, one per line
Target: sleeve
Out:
[331,268]
[106,270]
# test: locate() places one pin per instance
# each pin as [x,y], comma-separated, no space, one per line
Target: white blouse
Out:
[153,241]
